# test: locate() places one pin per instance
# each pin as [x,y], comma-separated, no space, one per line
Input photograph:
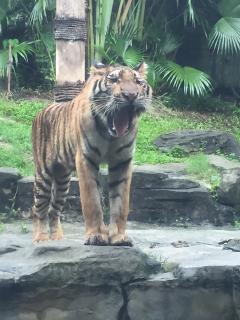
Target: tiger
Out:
[98,126]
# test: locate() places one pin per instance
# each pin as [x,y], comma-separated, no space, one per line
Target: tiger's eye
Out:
[112,79]
[140,81]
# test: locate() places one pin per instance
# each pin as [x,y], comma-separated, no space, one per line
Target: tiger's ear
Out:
[142,68]
[98,69]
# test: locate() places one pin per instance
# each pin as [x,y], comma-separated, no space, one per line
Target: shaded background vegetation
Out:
[192,46]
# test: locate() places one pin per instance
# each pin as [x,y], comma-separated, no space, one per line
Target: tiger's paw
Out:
[40,236]
[56,231]
[40,230]
[97,240]
[120,240]
[58,235]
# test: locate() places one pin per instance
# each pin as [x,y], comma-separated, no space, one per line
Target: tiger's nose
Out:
[129,95]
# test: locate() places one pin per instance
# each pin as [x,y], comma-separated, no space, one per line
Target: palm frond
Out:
[229,8]
[169,43]
[18,49]
[39,11]
[190,14]
[3,9]
[3,62]
[225,36]
[154,77]
[22,49]
[132,57]
[193,81]
[47,38]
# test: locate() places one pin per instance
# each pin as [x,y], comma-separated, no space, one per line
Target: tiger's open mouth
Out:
[120,122]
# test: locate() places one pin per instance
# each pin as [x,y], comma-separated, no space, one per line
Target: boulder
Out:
[159,194]
[24,198]
[149,301]
[208,141]
[8,187]
[229,190]
[167,199]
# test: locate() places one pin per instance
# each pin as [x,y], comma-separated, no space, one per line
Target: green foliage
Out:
[199,166]
[193,81]
[2,227]
[18,49]
[24,228]
[31,23]
[125,45]
[39,11]
[178,152]
[225,34]
[236,224]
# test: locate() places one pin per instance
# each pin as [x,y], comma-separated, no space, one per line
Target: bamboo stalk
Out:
[97,29]
[141,20]
[117,26]
[125,12]
[9,70]
[90,34]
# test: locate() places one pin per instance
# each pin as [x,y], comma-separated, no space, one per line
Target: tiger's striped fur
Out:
[98,126]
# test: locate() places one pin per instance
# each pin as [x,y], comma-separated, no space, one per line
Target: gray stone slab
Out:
[198,280]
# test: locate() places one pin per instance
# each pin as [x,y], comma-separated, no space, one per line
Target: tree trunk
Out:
[70,35]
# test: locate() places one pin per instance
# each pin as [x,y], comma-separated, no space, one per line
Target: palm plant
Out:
[9,56]
[225,35]
[38,18]
[41,21]
[131,33]
[112,28]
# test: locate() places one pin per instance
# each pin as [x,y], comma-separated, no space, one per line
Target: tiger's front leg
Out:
[87,170]
[120,176]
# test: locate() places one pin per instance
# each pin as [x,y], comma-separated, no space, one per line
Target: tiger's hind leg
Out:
[42,198]
[61,182]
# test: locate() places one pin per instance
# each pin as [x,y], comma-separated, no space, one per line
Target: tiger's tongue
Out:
[121,122]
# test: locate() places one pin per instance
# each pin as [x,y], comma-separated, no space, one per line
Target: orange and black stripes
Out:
[120,165]
[98,126]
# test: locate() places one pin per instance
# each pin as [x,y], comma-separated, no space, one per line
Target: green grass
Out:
[15,132]
[22,111]
[153,125]
[2,227]
[198,166]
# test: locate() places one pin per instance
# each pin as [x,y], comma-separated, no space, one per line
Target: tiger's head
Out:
[119,95]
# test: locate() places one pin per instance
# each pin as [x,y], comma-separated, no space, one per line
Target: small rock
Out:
[233,244]
[180,244]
